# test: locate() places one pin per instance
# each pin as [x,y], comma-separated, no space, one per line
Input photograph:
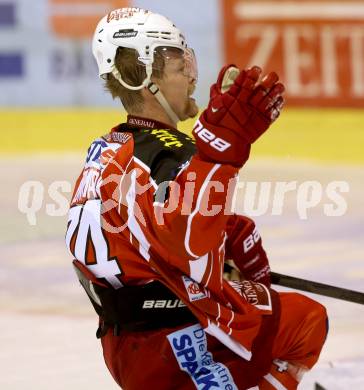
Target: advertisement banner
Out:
[317,47]
[78,18]
[45,48]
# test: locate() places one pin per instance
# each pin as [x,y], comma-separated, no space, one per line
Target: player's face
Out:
[178,87]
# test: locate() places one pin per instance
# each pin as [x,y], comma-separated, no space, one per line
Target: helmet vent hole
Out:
[100,40]
[108,60]
[101,30]
[159,35]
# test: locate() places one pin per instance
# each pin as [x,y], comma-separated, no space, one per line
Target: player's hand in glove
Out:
[244,247]
[240,110]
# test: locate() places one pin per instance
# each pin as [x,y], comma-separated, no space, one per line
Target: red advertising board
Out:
[317,47]
[78,18]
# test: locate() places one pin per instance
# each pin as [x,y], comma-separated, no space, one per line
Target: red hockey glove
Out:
[238,113]
[244,246]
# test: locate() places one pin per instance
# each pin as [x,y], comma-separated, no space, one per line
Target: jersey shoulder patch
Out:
[164,151]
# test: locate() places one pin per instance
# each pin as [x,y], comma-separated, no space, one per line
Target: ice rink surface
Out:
[47,326]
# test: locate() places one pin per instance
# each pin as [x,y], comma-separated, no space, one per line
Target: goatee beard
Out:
[191,108]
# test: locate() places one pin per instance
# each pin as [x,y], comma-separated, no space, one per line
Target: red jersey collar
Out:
[145,123]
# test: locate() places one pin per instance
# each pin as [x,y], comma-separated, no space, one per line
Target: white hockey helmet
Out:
[142,30]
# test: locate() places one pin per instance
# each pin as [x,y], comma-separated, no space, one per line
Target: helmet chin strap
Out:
[154,89]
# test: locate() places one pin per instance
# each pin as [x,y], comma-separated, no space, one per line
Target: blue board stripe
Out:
[11,65]
[7,15]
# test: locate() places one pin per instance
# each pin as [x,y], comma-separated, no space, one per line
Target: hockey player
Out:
[150,228]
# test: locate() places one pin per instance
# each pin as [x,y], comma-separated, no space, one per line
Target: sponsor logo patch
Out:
[163,304]
[189,346]
[141,123]
[126,12]
[254,293]
[122,138]
[94,153]
[206,136]
[194,291]
[167,138]
[125,34]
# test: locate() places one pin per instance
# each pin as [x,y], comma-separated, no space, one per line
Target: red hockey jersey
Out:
[146,207]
